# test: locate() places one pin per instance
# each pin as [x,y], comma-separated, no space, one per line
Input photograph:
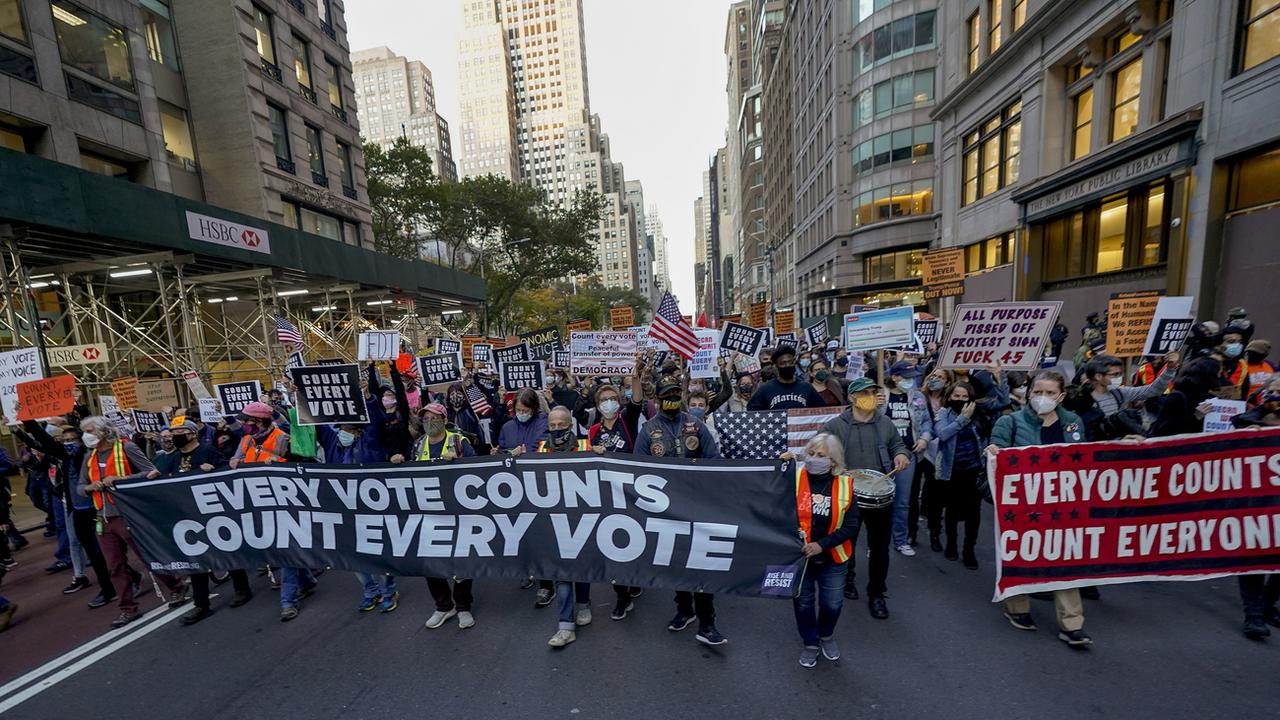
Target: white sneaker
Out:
[583,616]
[438,617]
[562,638]
[906,550]
[466,620]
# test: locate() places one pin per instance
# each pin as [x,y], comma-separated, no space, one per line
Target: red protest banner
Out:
[1186,508]
[46,398]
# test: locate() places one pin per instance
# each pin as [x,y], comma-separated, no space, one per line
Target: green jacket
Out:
[1022,428]
[302,438]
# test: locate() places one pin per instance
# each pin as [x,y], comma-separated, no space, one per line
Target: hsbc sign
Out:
[64,355]
[216,230]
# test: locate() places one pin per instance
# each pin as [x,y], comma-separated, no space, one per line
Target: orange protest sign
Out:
[757,314]
[1129,316]
[621,317]
[45,398]
[736,319]
[578,326]
[940,267]
[126,391]
[784,321]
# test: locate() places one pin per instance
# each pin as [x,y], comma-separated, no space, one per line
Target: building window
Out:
[278,121]
[345,168]
[973,27]
[95,163]
[1122,232]
[893,201]
[1018,16]
[12,138]
[1259,36]
[262,24]
[158,29]
[993,18]
[909,144]
[11,24]
[1082,125]
[891,266]
[177,135]
[315,155]
[1125,96]
[990,253]
[1255,180]
[302,62]
[992,154]
[93,45]
[335,84]
[896,39]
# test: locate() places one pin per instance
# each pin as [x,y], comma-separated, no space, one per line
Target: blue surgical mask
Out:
[627,393]
[804,362]
[523,417]
[346,439]
[1233,350]
[609,408]
[698,412]
[906,385]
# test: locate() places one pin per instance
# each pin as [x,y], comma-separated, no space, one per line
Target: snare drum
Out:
[872,490]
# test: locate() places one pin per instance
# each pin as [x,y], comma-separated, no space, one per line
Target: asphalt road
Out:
[1163,650]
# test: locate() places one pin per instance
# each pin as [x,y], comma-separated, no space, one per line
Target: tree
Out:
[562,302]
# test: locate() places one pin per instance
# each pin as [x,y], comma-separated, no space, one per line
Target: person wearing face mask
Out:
[527,426]
[1044,422]
[1256,370]
[263,442]
[464,418]
[871,442]
[907,407]
[786,392]
[389,416]
[1231,351]
[959,470]
[931,495]
[676,433]
[828,520]
[573,598]
[612,435]
[1184,408]
[1103,395]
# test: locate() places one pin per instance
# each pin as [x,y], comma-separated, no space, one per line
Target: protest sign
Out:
[940,267]
[578,326]
[469,343]
[147,421]
[122,422]
[1170,325]
[517,375]
[561,359]
[67,355]
[742,339]
[951,289]
[1129,316]
[857,365]
[329,394]
[787,341]
[784,321]
[331,361]
[879,329]
[603,353]
[235,395]
[927,331]
[1218,419]
[295,360]
[705,361]
[448,345]
[1184,508]
[512,353]
[1014,334]
[646,341]
[758,314]
[733,318]
[196,385]
[210,410]
[481,352]
[125,390]
[817,334]
[378,345]
[157,394]
[439,369]
[621,317]
[16,366]
[543,342]
[627,520]
[38,399]
[747,364]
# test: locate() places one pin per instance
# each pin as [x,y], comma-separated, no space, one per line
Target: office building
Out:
[397,99]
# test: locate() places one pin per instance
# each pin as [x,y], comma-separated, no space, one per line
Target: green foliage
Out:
[402,192]
[562,303]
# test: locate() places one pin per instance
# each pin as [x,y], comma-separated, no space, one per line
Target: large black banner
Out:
[712,525]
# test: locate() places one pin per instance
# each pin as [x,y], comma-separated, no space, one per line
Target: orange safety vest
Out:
[582,446]
[1256,376]
[117,466]
[841,501]
[268,450]
[1145,374]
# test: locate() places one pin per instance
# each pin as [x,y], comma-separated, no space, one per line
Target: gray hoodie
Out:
[868,445]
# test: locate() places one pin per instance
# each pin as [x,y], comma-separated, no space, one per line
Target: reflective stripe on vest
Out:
[449,437]
[582,446]
[268,450]
[117,463]
[841,499]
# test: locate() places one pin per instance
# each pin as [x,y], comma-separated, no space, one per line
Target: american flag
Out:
[286,332]
[765,435]
[478,401]
[670,327]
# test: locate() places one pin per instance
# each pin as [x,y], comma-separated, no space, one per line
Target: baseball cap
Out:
[436,408]
[902,368]
[668,384]
[862,383]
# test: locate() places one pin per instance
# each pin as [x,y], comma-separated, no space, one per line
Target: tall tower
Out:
[397,98]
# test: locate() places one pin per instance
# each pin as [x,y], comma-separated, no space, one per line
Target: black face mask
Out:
[1253,357]
[786,374]
[957,405]
[745,389]
[561,438]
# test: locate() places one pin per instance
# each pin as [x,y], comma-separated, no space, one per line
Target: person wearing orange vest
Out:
[263,442]
[828,516]
[110,459]
[1257,369]
[560,438]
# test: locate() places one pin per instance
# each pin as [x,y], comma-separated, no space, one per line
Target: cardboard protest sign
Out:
[758,315]
[121,421]
[927,331]
[125,390]
[1011,333]
[1129,316]
[157,394]
[517,375]
[379,345]
[147,421]
[1170,325]
[734,318]
[329,394]
[481,352]
[857,365]
[705,361]
[746,363]
[512,353]
[295,360]
[235,395]
[1191,507]
[941,267]
[603,353]
[17,366]
[742,339]
[210,410]
[47,397]
[438,369]
[1220,413]
[817,333]
[784,321]
[543,342]
[562,359]
[196,385]
[578,326]
[879,329]
[622,317]
[469,343]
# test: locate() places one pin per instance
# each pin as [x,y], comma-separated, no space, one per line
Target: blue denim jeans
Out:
[63,551]
[902,482]
[4,603]
[820,600]
[382,586]
[566,592]
[292,582]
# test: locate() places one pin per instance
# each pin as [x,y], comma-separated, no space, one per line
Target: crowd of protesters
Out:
[925,429]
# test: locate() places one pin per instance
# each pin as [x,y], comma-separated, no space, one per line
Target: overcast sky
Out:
[656,75]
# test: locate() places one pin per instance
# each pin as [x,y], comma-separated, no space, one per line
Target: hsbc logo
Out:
[90,353]
[65,355]
[207,228]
